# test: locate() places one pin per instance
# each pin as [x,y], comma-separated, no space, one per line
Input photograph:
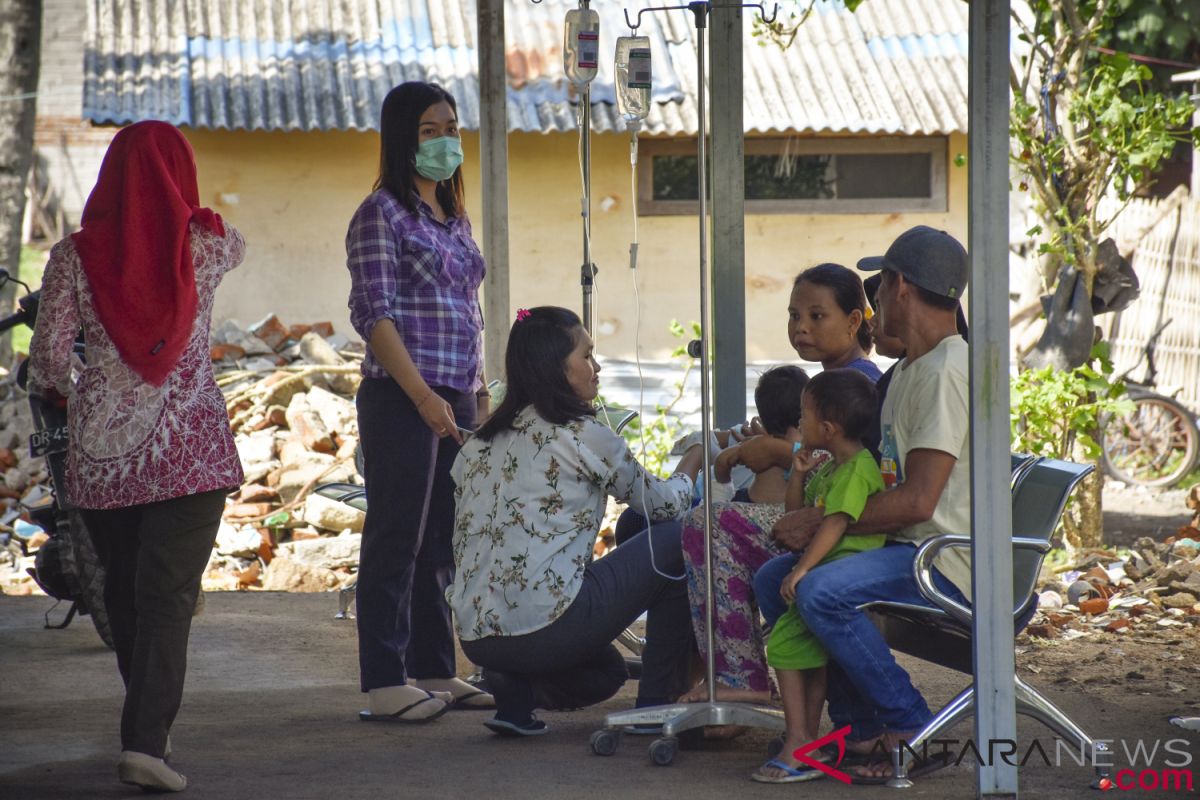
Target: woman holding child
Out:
[530,604]
[827,312]
[415,274]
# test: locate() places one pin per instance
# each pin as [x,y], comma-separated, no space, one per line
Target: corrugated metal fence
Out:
[1167,262]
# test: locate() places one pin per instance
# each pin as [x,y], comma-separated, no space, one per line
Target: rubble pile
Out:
[1156,586]
[289,393]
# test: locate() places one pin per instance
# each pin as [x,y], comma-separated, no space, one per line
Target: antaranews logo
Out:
[1151,766]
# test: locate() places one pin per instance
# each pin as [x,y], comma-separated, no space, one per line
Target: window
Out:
[806,176]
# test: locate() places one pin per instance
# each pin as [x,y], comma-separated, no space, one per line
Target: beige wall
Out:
[295,193]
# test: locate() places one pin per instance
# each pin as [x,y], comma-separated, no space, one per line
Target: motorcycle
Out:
[66,566]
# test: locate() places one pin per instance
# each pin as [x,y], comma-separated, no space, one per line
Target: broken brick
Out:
[271,331]
[220,352]
[1093,605]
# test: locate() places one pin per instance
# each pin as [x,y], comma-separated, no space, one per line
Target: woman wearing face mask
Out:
[415,274]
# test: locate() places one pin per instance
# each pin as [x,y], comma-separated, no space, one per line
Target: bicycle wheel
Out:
[1155,445]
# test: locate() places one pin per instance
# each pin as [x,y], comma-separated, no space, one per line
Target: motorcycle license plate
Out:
[48,442]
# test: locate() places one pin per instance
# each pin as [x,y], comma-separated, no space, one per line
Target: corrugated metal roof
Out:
[895,66]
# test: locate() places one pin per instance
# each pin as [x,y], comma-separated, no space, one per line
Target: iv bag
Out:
[632,68]
[581,45]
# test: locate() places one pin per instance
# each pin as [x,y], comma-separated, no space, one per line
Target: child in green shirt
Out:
[838,408]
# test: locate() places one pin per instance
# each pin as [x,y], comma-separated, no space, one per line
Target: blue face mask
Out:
[438,158]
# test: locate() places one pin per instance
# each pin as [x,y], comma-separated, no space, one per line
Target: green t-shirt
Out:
[844,489]
[838,489]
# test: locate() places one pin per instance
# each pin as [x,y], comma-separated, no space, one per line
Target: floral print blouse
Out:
[529,505]
[131,442]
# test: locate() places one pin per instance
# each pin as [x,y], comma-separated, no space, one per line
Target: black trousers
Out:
[407,558]
[572,663]
[154,556]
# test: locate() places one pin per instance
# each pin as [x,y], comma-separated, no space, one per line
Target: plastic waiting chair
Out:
[1041,488]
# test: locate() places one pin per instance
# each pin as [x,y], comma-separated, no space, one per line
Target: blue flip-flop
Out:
[790,774]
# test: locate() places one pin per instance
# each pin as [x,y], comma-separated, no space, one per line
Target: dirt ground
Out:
[271,702]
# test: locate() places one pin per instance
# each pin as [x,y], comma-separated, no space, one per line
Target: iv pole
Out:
[686,716]
[587,272]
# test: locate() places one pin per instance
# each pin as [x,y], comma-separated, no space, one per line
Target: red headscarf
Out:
[135,249]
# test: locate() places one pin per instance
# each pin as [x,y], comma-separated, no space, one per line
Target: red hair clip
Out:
[522,314]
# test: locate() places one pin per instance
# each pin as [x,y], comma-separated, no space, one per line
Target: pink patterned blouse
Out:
[133,443]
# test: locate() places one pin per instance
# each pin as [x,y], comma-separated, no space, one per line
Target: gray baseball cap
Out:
[930,258]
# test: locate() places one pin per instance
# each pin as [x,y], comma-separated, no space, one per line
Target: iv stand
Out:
[587,272]
[686,716]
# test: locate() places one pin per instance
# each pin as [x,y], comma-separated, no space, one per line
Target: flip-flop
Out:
[917,768]
[503,727]
[830,751]
[790,774]
[398,716]
[461,702]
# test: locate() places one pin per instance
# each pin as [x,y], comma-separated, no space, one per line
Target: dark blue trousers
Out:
[407,560]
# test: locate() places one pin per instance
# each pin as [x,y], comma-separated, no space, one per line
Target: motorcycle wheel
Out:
[90,575]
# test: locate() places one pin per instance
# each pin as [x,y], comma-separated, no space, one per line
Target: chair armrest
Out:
[1039,546]
[923,571]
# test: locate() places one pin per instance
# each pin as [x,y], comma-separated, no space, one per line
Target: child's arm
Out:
[827,536]
[802,464]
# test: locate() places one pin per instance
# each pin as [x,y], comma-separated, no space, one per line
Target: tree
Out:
[1085,126]
[20,49]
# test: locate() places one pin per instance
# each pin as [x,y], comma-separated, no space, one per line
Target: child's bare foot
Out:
[726,694]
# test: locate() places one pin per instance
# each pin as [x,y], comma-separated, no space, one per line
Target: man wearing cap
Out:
[926,466]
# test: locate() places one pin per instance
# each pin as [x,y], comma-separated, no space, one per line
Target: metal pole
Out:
[587,272]
[493,171]
[728,219]
[687,716]
[705,389]
[991,500]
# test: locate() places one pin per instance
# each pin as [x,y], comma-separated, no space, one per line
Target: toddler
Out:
[838,408]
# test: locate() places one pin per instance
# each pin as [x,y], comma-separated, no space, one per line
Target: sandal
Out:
[790,774]
[485,701]
[399,716]
[917,768]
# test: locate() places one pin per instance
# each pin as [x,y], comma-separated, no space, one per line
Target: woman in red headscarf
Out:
[151,457]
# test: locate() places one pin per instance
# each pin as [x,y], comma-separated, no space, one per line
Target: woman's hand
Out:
[439,416]
[788,589]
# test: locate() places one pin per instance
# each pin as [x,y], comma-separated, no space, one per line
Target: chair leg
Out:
[958,709]
[1032,703]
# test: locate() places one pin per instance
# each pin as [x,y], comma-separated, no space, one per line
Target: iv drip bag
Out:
[632,68]
[581,45]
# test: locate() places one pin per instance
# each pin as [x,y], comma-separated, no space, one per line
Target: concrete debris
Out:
[1154,586]
[330,515]
[289,392]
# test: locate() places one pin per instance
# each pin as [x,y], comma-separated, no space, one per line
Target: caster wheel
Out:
[662,751]
[775,747]
[604,743]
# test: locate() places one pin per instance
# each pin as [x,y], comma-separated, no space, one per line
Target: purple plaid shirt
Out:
[424,276]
